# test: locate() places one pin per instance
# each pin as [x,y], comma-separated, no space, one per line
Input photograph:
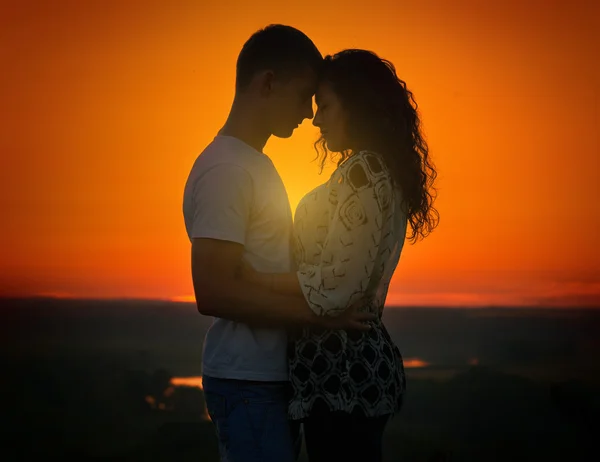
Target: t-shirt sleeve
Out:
[222,198]
[347,260]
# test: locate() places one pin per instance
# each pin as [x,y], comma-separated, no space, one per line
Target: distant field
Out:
[93,381]
[548,342]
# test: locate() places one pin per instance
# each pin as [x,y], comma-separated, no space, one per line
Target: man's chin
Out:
[284,133]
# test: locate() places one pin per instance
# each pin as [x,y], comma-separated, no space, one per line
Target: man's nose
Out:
[317,120]
[309,114]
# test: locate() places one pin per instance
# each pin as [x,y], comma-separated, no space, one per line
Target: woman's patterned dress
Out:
[348,236]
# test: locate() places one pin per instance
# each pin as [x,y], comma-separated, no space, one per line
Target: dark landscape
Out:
[102,381]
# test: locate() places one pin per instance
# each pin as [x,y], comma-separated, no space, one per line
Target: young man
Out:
[236,208]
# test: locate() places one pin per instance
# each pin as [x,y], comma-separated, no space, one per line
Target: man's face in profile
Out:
[292,102]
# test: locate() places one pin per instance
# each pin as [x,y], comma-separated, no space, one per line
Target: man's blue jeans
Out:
[251,420]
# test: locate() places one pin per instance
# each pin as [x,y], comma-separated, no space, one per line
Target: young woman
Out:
[348,236]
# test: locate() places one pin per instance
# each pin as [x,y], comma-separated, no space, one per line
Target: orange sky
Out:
[106,104]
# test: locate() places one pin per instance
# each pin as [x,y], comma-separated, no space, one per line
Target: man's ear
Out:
[264,81]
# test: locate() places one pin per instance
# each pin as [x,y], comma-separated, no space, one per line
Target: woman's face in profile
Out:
[331,118]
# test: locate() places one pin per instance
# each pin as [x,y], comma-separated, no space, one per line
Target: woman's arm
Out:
[342,275]
[362,205]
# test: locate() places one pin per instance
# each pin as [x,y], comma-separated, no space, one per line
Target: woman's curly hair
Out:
[382,116]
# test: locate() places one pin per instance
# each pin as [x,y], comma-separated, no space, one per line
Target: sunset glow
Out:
[413,363]
[187,382]
[106,105]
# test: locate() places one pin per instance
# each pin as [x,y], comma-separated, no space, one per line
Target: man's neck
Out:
[243,124]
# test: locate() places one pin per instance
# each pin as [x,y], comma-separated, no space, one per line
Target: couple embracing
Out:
[297,339]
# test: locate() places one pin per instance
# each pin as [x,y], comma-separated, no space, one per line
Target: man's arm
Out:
[219,293]
[223,199]
[281,283]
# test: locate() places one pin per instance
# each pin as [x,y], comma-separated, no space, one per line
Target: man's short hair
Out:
[283,49]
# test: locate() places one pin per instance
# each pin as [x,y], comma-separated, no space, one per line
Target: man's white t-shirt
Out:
[234,193]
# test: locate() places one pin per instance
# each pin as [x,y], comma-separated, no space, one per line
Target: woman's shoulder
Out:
[364,169]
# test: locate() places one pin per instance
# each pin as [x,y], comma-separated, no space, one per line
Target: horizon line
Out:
[180,301]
